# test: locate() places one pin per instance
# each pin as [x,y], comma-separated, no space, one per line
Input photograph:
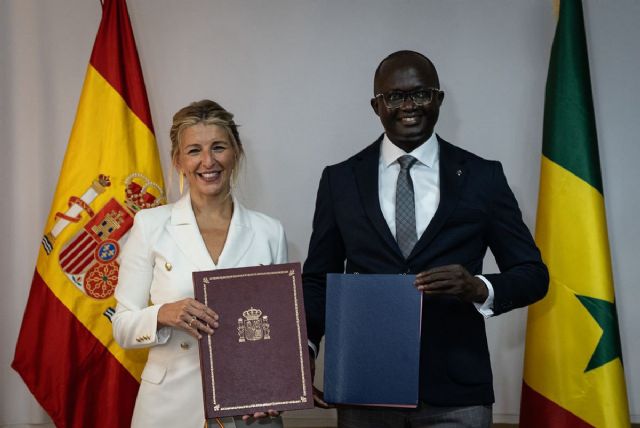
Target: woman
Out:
[206,229]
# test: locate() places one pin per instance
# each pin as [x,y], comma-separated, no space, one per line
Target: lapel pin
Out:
[459,172]
[168,266]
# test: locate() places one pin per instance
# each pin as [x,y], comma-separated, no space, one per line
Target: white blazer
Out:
[163,249]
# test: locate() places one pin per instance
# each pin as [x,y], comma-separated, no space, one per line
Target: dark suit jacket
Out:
[477,210]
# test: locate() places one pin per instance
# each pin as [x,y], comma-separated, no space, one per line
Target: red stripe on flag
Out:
[71,252]
[536,411]
[76,266]
[84,262]
[115,57]
[73,376]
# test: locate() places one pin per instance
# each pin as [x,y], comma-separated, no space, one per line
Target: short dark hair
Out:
[398,54]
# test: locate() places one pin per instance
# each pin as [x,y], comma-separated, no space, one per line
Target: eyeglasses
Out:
[421,97]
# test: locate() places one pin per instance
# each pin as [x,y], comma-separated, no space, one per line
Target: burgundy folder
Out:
[258,357]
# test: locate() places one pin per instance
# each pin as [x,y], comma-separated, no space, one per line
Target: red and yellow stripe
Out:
[65,352]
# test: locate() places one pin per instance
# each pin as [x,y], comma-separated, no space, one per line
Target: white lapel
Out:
[184,230]
[239,237]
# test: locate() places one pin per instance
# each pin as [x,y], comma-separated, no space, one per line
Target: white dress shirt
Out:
[425,175]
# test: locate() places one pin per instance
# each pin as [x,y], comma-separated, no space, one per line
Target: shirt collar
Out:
[426,153]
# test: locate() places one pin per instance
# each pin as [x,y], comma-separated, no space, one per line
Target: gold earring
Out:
[181,183]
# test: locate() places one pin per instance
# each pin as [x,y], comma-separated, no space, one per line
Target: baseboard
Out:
[309,423]
[327,419]
[47,425]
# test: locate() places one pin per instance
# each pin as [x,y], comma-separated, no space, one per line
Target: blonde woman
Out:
[207,228]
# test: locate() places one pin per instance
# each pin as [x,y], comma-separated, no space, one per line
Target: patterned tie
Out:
[406,234]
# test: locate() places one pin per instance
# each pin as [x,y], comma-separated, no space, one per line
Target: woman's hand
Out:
[260,415]
[188,315]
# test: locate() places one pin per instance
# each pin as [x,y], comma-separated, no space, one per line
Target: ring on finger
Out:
[193,319]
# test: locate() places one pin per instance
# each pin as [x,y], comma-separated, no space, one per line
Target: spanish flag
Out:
[65,353]
[573,370]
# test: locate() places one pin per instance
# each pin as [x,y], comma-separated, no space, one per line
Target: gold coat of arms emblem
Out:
[253,326]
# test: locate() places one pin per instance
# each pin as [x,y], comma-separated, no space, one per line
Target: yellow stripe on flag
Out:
[568,207]
[103,123]
[559,327]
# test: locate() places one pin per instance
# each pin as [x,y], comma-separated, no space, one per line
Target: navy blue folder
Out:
[372,340]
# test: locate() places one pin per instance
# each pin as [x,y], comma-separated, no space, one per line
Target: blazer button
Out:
[185,345]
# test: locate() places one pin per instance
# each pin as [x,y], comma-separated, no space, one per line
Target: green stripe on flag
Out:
[569,137]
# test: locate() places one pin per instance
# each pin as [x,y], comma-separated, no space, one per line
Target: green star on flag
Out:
[605,314]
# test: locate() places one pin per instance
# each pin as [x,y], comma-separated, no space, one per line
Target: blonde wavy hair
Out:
[206,112]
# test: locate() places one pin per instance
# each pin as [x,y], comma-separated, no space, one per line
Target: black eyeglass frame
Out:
[435,93]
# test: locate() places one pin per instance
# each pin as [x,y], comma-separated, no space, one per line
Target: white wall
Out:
[298,75]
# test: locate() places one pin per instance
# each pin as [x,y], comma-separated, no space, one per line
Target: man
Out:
[412,202]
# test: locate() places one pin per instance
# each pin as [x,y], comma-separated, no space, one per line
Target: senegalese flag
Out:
[573,372]
[65,352]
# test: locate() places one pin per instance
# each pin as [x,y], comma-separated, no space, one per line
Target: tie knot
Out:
[406,162]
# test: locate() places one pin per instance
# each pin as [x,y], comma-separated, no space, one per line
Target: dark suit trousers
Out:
[422,417]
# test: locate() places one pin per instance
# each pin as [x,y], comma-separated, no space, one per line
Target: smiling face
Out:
[207,158]
[409,125]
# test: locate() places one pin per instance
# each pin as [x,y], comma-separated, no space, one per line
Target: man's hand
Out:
[318,396]
[453,280]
